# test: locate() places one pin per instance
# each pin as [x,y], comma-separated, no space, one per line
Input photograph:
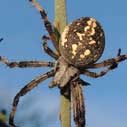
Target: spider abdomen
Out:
[82,42]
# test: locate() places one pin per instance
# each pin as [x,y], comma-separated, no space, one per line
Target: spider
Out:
[81,45]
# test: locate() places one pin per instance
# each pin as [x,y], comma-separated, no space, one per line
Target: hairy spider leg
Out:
[78,103]
[25,90]
[47,49]
[47,24]
[109,62]
[23,64]
[96,75]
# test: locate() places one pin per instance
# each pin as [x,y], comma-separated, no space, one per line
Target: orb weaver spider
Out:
[81,45]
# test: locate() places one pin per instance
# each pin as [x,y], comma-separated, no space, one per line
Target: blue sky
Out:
[21,27]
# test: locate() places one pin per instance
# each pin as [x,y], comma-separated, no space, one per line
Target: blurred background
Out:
[21,27]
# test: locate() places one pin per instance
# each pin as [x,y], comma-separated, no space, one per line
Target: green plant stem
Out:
[60,14]
[60,23]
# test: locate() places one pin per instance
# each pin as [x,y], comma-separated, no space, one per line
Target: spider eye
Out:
[82,42]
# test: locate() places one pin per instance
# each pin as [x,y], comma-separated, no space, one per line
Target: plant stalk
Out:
[60,23]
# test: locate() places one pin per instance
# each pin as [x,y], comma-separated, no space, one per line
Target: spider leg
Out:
[110,62]
[47,49]
[25,90]
[78,103]
[102,73]
[23,64]
[47,24]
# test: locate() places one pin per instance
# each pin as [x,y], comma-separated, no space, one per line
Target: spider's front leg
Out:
[23,64]
[25,90]
[47,49]
[78,102]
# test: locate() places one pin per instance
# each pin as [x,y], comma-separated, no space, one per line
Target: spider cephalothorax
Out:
[82,44]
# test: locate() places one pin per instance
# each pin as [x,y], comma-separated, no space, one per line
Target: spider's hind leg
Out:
[113,62]
[25,90]
[47,24]
[96,75]
[47,49]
